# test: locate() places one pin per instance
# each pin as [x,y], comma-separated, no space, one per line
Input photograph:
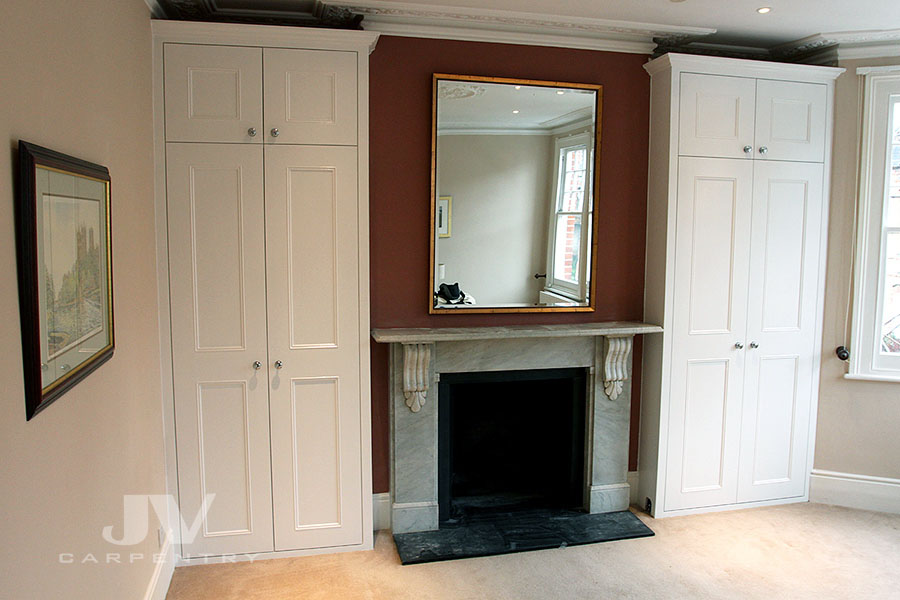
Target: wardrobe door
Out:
[712,253]
[217,285]
[716,116]
[781,330]
[310,96]
[313,306]
[790,120]
[213,93]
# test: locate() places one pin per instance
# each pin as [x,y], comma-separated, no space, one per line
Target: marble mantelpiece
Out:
[419,356]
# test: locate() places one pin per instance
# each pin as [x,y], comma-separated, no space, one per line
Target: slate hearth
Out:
[487,533]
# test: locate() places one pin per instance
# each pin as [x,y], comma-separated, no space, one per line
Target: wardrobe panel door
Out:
[310,96]
[313,307]
[217,286]
[790,120]
[213,93]
[781,331]
[716,115]
[712,252]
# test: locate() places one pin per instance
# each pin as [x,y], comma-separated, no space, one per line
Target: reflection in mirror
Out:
[514,179]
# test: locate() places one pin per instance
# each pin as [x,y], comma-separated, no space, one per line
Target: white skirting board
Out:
[162,574]
[881,494]
[381,511]
[381,503]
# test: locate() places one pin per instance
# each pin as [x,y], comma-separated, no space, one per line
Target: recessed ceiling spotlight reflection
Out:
[518,87]
[515,112]
[764,10]
[560,92]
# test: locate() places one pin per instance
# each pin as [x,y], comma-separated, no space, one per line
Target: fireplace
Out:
[511,440]
[518,369]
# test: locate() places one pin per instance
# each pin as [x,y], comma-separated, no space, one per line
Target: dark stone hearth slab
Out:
[520,531]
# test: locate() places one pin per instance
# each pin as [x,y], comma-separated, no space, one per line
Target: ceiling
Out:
[579,23]
[735,21]
[465,106]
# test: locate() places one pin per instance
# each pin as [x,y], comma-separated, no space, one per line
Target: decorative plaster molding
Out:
[513,27]
[615,364]
[416,358]
[861,44]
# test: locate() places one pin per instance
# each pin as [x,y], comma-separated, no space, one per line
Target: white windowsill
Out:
[870,377]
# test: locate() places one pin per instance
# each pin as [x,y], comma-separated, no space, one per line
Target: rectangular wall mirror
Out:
[514,183]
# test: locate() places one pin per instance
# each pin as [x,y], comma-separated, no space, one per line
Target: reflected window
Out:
[567,274]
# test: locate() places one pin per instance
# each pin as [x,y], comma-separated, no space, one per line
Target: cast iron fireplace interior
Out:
[511,440]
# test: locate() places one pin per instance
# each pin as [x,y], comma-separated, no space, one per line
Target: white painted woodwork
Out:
[789,120]
[735,255]
[218,247]
[213,93]
[217,285]
[781,320]
[712,254]
[310,96]
[717,115]
[312,269]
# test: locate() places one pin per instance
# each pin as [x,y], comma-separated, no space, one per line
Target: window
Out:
[567,273]
[876,308]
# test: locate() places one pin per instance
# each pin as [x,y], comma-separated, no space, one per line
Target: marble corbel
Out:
[615,364]
[416,358]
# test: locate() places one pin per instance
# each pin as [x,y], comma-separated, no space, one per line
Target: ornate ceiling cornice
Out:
[416,20]
[319,15]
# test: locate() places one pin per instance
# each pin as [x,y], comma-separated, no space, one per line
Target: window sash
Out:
[555,282]
[867,360]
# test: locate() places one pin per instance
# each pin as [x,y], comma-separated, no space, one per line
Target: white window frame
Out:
[881,89]
[577,292]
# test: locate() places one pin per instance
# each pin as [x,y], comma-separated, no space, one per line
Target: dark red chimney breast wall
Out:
[400,184]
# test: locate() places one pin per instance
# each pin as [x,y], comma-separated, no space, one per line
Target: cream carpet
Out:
[794,551]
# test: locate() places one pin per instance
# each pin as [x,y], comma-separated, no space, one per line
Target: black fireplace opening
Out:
[511,440]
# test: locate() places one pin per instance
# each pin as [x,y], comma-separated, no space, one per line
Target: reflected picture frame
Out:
[64,247]
[445,216]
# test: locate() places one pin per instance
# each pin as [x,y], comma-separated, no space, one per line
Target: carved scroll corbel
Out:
[416,358]
[615,365]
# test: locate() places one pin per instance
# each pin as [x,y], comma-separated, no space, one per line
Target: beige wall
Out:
[859,421]
[76,78]
[499,216]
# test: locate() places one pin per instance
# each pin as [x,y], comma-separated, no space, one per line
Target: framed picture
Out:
[65,272]
[444,215]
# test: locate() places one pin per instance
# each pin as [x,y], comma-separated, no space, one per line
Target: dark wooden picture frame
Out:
[66,302]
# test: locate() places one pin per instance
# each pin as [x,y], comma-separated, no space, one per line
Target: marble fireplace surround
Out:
[418,357]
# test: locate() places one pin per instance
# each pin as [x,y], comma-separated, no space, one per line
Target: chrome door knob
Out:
[763,150]
[252,132]
[278,364]
[739,345]
[748,149]
[275,132]
[754,345]
[257,365]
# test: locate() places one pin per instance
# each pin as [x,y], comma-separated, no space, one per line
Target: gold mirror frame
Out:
[595,189]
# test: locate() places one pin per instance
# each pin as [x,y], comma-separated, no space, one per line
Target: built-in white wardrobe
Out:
[737,212]
[263,217]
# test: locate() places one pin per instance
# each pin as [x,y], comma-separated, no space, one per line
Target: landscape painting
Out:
[65,272]
[72,300]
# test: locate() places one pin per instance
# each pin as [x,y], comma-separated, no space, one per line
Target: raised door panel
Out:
[310,96]
[716,115]
[313,307]
[213,93]
[711,259]
[781,330]
[790,120]
[217,285]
